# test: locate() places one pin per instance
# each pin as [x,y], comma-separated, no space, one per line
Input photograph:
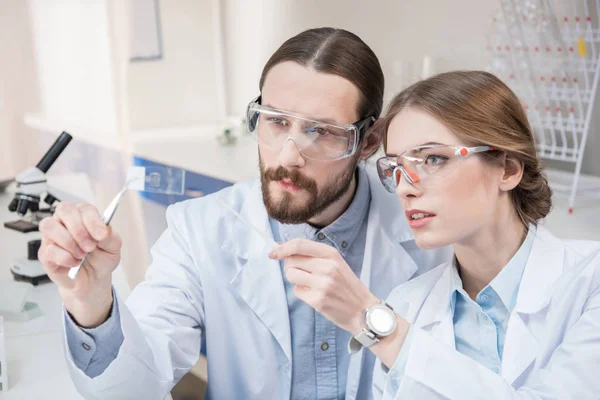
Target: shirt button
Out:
[324,346]
[86,346]
[485,297]
[344,244]
[321,236]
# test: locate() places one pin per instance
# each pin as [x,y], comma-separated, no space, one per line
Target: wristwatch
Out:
[380,321]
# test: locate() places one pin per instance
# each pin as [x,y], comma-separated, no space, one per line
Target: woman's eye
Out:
[435,160]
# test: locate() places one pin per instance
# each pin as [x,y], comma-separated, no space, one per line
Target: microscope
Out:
[31,187]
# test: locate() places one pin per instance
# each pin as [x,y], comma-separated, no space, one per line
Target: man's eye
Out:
[318,130]
[278,121]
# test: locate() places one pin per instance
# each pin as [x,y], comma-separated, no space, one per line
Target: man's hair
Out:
[337,52]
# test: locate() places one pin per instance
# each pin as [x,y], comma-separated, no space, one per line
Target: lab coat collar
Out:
[259,281]
[435,316]
[544,266]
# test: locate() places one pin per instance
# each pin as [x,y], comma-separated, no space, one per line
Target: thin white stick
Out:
[263,235]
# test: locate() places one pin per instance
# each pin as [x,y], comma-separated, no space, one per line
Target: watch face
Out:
[381,320]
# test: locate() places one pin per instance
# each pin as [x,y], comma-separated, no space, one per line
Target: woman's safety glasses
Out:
[314,139]
[423,164]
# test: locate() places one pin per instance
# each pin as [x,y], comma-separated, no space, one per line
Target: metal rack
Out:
[550,57]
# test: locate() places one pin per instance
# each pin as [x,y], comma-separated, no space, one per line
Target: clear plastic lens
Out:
[155,179]
[424,164]
[315,139]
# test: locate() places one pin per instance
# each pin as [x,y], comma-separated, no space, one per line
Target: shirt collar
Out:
[341,232]
[506,283]
[456,285]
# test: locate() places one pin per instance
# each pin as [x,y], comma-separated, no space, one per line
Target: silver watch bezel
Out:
[389,310]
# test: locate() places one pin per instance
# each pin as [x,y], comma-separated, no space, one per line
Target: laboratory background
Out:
[163,85]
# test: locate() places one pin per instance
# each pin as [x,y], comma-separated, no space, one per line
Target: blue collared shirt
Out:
[320,356]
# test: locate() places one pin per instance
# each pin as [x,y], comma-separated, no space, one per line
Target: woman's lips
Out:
[419,218]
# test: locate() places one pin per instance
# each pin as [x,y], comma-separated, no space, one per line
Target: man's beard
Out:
[286,210]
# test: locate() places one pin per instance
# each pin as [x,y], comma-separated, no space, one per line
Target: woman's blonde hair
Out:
[481,110]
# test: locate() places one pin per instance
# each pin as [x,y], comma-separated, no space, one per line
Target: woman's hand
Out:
[324,281]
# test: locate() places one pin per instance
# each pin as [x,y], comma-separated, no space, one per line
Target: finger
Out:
[309,296]
[58,256]
[52,259]
[300,277]
[111,243]
[301,262]
[303,247]
[318,266]
[69,216]
[93,222]
[101,262]
[59,275]
[58,234]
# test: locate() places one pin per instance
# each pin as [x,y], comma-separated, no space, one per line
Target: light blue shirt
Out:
[94,349]
[480,325]
[320,349]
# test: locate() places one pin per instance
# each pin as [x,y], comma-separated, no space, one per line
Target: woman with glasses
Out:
[516,315]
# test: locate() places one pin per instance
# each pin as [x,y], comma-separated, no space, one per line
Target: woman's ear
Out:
[513,172]
[372,140]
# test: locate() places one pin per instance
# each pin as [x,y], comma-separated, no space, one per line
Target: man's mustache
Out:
[297,178]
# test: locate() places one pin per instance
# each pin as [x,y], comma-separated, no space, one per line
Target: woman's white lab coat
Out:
[552,346]
[211,278]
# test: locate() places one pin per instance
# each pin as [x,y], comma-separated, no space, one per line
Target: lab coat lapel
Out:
[435,314]
[259,281]
[386,264]
[544,266]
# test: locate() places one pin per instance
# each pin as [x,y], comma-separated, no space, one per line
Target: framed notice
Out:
[146,39]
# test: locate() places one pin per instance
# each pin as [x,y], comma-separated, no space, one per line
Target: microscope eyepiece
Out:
[52,154]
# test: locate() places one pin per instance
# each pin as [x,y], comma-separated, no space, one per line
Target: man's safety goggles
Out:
[314,139]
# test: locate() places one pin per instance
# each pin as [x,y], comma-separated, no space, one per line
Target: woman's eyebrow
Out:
[419,148]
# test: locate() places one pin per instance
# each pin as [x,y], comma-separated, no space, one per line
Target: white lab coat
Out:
[211,277]
[552,345]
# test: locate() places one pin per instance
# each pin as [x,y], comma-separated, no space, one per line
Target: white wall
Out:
[253,30]
[74,64]
[178,90]
[18,87]
[451,33]
[395,30]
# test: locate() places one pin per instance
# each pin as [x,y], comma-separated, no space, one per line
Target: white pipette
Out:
[263,235]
